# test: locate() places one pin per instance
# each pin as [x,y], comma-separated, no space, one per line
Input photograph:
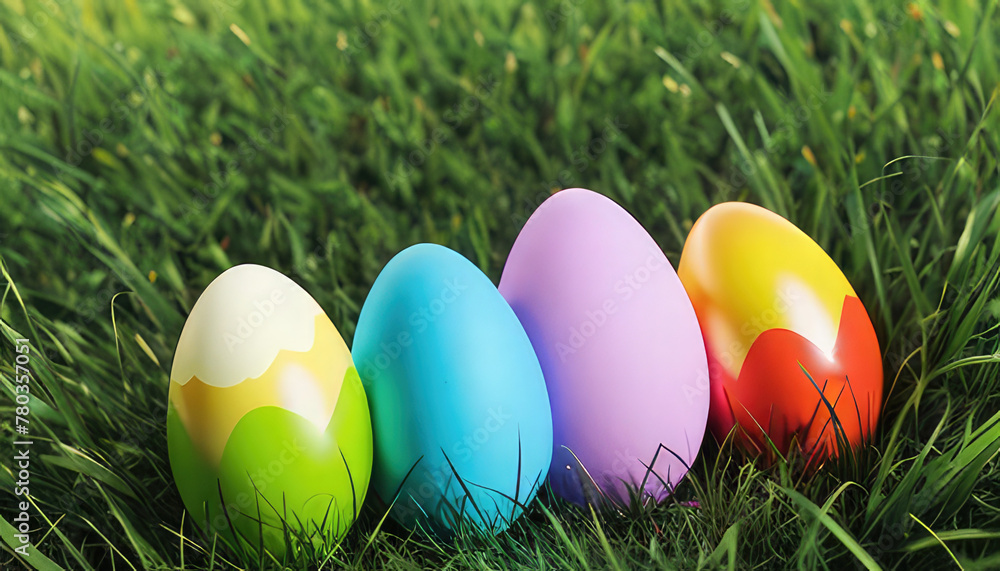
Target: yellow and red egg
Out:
[793,356]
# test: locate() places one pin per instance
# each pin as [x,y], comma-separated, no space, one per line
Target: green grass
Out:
[872,126]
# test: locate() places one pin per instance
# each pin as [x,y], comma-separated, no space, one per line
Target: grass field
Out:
[147,146]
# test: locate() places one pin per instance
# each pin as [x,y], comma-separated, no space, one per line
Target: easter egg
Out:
[793,356]
[268,426]
[463,429]
[620,347]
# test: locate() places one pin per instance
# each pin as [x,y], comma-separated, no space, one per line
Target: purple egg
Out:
[619,345]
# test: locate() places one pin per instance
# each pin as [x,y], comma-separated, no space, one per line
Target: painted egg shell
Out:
[463,429]
[266,412]
[787,337]
[620,347]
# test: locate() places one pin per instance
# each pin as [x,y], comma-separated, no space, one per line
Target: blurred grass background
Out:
[147,146]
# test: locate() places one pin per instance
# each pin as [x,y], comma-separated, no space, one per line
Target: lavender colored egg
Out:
[619,345]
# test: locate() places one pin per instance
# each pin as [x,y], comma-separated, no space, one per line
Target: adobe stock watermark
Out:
[595,147]
[21,464]
[247,151]
[32,25]
[453,117]
[496,419]
[894,534]
[581,159]
[418,321]
[915,170]
[562,12]
[438,478]
[595,485]
[88,309]
[699,44]
[224,7]
[359,37]
[787,125]
[247,324]
[621,466]
[262,478]
[596,318]
[886,25]
[122,109]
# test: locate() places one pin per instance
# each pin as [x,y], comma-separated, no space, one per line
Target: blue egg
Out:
[460,414]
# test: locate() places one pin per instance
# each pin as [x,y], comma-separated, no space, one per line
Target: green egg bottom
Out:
[279,475]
